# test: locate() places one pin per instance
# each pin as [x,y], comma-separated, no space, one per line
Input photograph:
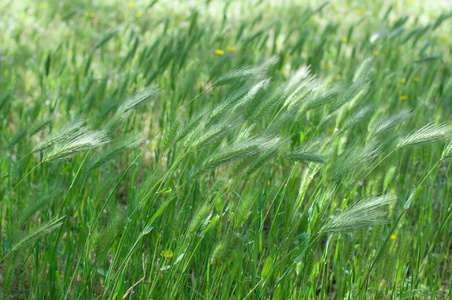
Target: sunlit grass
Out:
[220,150]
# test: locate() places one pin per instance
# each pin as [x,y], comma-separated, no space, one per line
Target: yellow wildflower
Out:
[130,4]
[230,49]
[444,38]
[403,98]
[43,4]
[178,20]
[410,1]
[219,52]
[361,11]
[69,52]
[327,66]
[167,254]
[344,40]
[287,57]
[138,15]
[416,79]
[375,52]
[402,80]
[393,236]
[92,14]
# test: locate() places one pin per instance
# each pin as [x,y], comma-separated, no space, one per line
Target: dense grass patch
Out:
[203,150]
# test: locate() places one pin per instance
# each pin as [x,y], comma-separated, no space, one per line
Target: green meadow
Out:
[225,149]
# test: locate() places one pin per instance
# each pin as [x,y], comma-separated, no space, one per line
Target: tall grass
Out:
[156,151]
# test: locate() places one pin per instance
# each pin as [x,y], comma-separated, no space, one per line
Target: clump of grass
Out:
[84,142]
[430,133]
[364,213]
[68,132]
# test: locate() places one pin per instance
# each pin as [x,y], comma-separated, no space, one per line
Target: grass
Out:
[203,150]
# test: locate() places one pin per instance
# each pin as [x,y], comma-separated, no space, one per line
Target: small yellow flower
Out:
[178,20]
[402,80]
[172,13]
[416,79]
[403,98]
[219,52]
[333,7]
[130,4]
[92,14]
[167,254]
[327,66]
[230,49]
[375,52]
[43,4]
[138,15]
[361,11]
[444,38]
[338,15]
[393,236]
[69,52]
[287,57]
[410,1]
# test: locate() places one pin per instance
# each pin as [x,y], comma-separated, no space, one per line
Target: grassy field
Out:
[204,150]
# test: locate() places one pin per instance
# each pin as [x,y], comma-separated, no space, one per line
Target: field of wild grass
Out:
[225,149]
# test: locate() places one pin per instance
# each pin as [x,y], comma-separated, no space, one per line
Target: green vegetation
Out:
[248,150]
